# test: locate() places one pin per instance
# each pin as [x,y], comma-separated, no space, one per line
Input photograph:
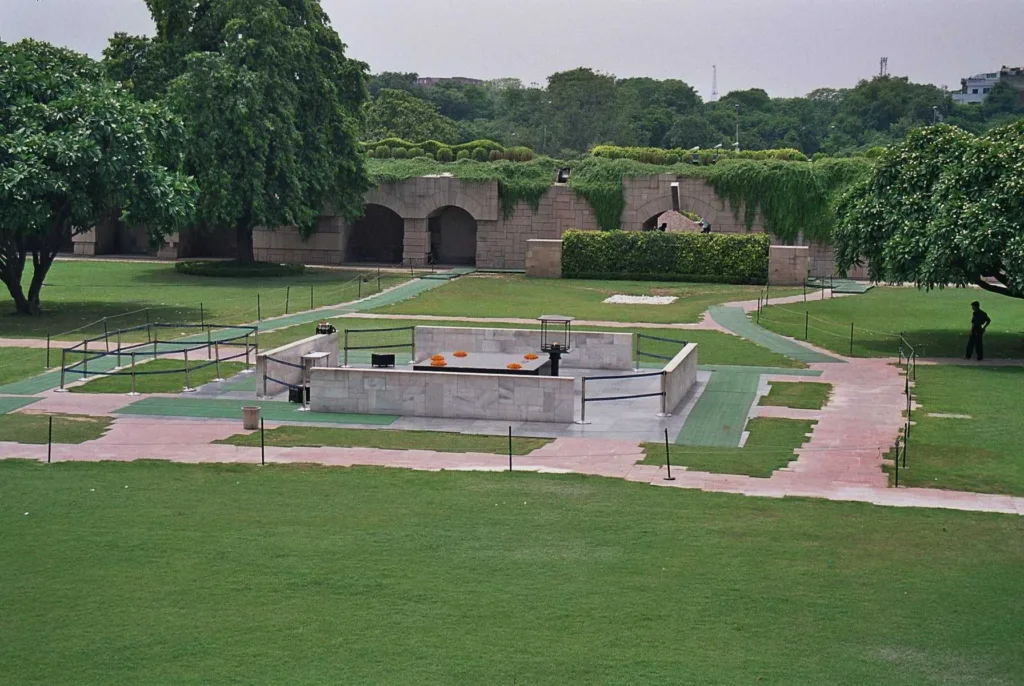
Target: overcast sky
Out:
[787,47]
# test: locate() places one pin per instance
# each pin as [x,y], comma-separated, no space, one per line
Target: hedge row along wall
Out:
[657,256]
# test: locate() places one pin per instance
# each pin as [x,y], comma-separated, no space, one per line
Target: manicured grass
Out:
[23,427]
[937,323]
[715,347]
[146,381]
[519,297]
[769,447]
[152,572]
[300,436]
[21,363]
[810,395]
[77,293]
[982,453]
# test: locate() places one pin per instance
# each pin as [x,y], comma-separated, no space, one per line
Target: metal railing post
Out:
[85,359]
[216,347]
[63,366]
[156,339]
[47,351]
[119,347]
[133,392]
[412,346]
[209,337]
[664,395]
[636,352]
[188,381]
[106,335]
[583,401]
[344,362]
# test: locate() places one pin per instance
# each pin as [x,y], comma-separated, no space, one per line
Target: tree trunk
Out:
[41,263]
[12,266]
[243,243]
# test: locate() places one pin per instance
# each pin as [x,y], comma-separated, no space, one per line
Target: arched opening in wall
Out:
[673,222]
[452,236]
[377,237]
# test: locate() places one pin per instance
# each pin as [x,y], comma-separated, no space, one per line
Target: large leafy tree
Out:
[398,114]
[944,207]
[272,107]
[76,148]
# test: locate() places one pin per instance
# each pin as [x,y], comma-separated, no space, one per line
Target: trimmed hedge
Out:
[658,256]
[674,155]
[231,269]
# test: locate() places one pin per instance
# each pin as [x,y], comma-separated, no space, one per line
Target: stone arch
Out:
[655,207]
[440,200]
[377,237]
[380,196]
[452,232]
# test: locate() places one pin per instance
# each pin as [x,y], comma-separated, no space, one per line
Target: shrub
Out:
[519,154]
[480,154]
[818,157]
[237,270]
[416,152]
[400,153]
[445,155]
[463,155]
[495,155]
[657,256]
[429,155]
[875,152]
[382,152]
[671,158]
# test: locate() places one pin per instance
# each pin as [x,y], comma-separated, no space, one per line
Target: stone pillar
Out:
[544,258]
[416,242]
[85,242]
[787,264]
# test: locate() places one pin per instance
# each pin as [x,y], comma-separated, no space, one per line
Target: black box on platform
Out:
[382,359]
[295,394]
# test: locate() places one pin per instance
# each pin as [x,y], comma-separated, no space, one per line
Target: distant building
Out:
[975,88]
[431,81]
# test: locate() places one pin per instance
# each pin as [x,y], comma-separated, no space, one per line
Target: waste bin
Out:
[251,418]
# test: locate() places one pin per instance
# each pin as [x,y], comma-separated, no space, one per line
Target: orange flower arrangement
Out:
[437,358]
[438,363]
[514,365]
[460,353]
[529,356]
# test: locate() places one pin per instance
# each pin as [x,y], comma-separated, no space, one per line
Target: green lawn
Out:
[302,436]
[22,427]
[715,347]
[77,293]
[937,323]
[769,447]
[148,382]
[519,297]
[166,573]
[982,453]
[801,395]
[21,363]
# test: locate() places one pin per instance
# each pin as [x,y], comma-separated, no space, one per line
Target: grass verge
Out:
[21,363]
[81,292]
[237,573]
[518,297]
[769,447]
[32,428]
[160,376]
[444,442]
[976,444]
[936,323]
[800,395]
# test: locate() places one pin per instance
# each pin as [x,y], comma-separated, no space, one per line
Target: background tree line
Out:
[581,108]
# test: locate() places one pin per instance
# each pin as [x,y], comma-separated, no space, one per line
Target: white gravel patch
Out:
[641,300]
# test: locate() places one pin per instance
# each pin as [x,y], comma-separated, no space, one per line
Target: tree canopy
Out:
[580,108]
[944,207]
[75,149]
[397,114]
[272,109]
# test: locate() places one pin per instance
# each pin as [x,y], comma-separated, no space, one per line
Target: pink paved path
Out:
[181,441]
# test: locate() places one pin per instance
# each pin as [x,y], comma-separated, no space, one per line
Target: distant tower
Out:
[883,67]
[714,82]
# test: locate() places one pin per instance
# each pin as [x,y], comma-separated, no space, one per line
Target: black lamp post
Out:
[555,338]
